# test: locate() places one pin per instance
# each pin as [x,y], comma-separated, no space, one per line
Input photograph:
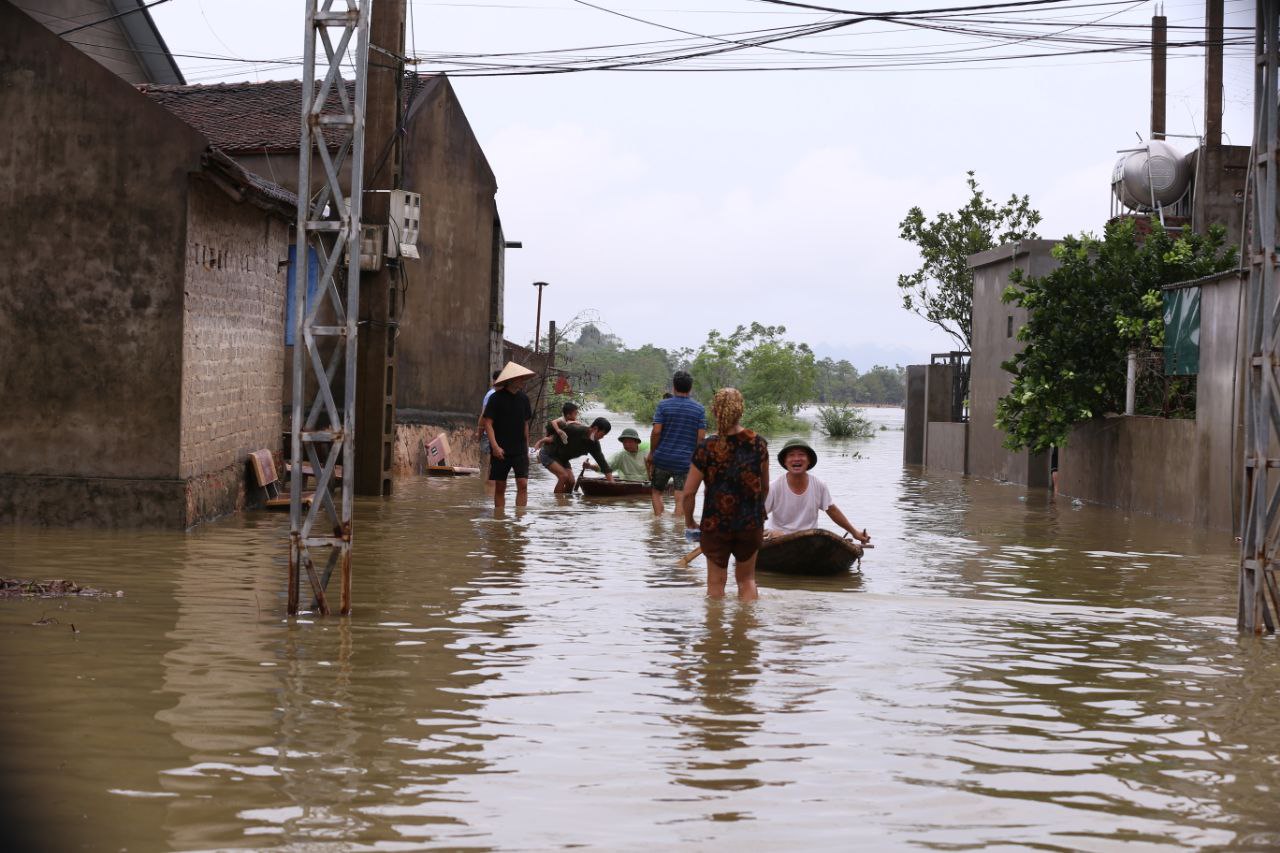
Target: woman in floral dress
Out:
[734,465]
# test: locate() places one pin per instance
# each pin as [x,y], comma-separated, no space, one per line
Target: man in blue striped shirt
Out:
[679,424]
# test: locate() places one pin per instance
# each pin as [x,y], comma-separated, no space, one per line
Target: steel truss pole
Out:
[325,330]
[1260,520]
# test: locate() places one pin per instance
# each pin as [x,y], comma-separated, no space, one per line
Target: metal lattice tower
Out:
[1260,521]
[325,331]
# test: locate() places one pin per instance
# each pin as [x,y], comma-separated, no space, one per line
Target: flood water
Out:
[1007,672]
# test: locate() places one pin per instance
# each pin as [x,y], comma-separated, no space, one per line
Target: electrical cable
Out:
[139,8]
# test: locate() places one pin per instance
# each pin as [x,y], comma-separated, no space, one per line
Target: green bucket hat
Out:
[791,445]
[629,433]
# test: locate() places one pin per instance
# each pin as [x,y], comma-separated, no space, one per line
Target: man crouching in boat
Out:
[795,498]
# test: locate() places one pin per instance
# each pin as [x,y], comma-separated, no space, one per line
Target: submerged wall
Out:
[1186,470]
[91,289]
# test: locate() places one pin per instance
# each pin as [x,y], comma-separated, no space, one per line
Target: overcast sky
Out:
[675,202]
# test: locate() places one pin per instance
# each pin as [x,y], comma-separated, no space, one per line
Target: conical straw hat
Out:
[512,371]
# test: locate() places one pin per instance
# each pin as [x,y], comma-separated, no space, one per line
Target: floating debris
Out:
[15,588]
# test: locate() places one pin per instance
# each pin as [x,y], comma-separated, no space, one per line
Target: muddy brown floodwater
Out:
[1008,672]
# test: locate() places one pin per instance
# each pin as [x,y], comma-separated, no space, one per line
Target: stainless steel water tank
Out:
[1155,174]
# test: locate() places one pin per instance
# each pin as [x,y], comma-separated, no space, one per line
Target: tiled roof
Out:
[242,118]
[247,186]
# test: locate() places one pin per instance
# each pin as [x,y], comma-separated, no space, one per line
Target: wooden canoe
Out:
[599,487]
[809,552]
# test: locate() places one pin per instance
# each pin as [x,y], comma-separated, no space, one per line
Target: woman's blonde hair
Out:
[727,407]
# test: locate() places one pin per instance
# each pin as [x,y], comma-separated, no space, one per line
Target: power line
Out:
[112,17]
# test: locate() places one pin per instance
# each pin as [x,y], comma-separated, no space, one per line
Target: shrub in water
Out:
[844,422]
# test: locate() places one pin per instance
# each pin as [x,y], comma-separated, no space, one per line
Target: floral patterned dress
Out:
[731,467]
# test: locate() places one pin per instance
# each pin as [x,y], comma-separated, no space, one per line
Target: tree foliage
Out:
[941,290]
[1102,301]
[775,375]
[839,382]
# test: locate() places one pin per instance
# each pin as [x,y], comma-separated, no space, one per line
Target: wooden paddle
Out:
[691,556]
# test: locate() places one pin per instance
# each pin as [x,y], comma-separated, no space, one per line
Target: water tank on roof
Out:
[1156,174]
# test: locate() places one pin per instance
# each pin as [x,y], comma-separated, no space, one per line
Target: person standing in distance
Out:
[679,423]
[485,450]
[506,422]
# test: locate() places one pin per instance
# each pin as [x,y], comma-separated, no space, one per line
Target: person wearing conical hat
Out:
[506,423]
[797,496]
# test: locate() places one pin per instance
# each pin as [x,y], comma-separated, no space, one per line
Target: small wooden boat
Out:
[809,552]
[599,487]
[450,471]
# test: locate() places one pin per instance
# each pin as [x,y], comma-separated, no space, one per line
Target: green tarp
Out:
[1182,331]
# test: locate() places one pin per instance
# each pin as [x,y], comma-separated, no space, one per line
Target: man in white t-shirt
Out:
[796,498]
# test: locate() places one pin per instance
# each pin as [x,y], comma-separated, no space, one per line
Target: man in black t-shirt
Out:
[558,457]
[506,423]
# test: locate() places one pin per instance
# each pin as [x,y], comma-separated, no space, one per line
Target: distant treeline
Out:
[777,376]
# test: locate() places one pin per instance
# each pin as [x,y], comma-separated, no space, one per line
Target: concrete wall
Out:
[995,329]
[409,456]
[445,334]
[1220,391]
[106,44]
[948,447]
[1183,470]
[141,310]
[91,287]
[913,420]
[1219,189]
[1135,464]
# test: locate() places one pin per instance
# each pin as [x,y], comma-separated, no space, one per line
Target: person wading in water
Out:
[679,423]
[506,423]
[734,464]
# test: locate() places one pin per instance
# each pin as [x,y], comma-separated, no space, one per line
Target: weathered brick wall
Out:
[233,331]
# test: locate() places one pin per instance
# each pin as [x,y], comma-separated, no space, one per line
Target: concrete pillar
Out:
[913,421]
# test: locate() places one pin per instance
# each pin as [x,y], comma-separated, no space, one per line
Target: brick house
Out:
[141,303]
[451,322]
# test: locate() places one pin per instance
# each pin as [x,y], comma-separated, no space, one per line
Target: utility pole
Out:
[325,332]
[1213,73]
[379,314]
[1159,53]
[1260,518]
[537,324]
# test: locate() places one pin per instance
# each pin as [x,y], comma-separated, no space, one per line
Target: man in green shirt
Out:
[628,463]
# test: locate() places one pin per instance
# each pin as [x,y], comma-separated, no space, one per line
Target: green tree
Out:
[941,290]
[836,383]
[883,385]
[1084,317]
[775,375]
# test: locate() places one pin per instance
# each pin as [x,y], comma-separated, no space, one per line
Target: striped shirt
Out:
[680,418]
